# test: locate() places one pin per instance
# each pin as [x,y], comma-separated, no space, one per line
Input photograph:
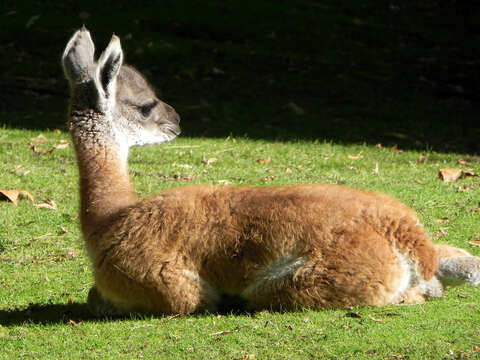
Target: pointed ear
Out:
[109,66]
[78,56]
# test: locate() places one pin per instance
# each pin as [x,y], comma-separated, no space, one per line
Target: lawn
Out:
[376,96]
[45,274]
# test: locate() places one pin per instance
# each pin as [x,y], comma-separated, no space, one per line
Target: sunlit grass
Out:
[45,274]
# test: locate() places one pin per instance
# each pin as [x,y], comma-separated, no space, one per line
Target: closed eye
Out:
[147,108]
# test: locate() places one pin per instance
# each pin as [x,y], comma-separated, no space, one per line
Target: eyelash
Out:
[147,108]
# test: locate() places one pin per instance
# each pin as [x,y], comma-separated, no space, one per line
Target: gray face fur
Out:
[111,101]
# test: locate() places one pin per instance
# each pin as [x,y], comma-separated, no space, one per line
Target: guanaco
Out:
[185,249]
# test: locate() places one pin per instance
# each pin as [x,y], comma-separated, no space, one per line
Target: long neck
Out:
[105,187]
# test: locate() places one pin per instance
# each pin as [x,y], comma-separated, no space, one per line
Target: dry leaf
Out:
[15,195]
[73,323]
[476,210]
[464,188]
[224,182]
[264,161]
[442,220]
[39,139]
[189,177]
[469,173]
[376,169]
[377,320]
[474,243]
[396,149]
[379,146]
[60,146]
[48,204]
[40,152]
[466,161]
[248,356]
[268,178]
[209,160]
[422,159]
[450,174]
[355,157]
[441,232]
[226,332]
[288,171]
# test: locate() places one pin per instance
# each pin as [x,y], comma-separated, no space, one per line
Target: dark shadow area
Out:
[76,313]
[404,73]
[47,314]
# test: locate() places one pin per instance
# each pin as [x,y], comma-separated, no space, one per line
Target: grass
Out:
[313,85]
[45,274]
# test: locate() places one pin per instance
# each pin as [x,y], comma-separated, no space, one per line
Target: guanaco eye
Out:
[147,108]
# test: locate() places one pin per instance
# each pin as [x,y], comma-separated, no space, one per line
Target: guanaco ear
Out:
[78,56]
[109,66]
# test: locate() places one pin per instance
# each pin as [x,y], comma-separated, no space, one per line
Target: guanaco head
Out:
[113,100]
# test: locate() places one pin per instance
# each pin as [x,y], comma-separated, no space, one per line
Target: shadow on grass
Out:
[78,312]
[47,314]
[347,72]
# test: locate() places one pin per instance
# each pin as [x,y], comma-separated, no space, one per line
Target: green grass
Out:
[45,274]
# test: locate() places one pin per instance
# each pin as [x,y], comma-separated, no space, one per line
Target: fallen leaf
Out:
[442,220]
[355,157]
[466,161]
[248,356]
[379,146]
[268,178]
[469,173]
[38,151]
[376,169]
[377,320]
[48,204]
[476,210]
[209,160]
[15,195]
[441,232]
[422,159]
[464,188]
[476,348]
[226,332]
[72,253]
[289,327]
[189,177]
[60,146]
[288,171]
[39,139]
[73,323]
[224,182]
[396,149]
[450,174]
[264,161]
[474,243]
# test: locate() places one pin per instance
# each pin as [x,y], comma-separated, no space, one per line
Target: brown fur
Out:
[181,251]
